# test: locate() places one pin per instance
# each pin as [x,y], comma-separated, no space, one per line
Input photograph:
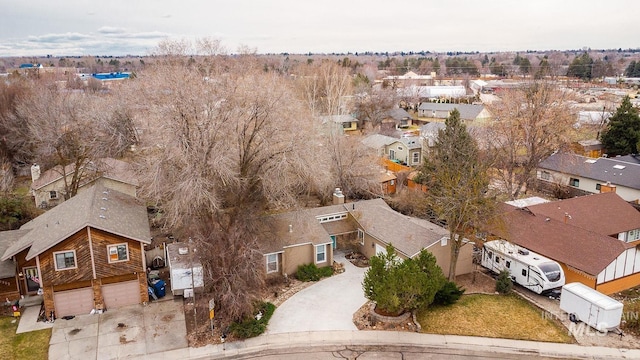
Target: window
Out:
[633,235]
[443,241]
[545,175]
[497,260]
[490,254]
[64,260]
[392,182]
[321,253]
[508,264]
[272,263]
[346,125]
[416,157]
[598,187]
[118,252]
[361,237]
[53,195]
[392,154]
[574,182]
[524,272]
[400,148]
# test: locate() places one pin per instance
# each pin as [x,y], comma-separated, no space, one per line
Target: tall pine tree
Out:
[457,180]
[622,135]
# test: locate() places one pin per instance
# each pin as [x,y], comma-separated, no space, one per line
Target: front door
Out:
[31,279]
[333,241]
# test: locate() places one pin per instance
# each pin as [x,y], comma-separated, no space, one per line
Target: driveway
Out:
[119,333]
[326,305]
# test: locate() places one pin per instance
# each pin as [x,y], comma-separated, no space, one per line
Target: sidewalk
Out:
[328,339]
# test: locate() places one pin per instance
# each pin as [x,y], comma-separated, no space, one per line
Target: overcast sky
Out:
[118,27]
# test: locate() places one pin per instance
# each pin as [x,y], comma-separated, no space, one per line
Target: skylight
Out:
[619,167]
[590,161]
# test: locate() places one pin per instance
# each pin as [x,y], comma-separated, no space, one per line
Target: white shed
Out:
[185,270]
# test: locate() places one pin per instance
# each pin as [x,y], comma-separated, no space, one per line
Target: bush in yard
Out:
[504,283]
[397,286]
[256,324]
[448,294]
[310,272]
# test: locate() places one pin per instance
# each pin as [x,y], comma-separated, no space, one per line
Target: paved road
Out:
[327,305]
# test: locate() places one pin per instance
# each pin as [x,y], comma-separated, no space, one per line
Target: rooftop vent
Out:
[523,252]
[183,251]
[102,217]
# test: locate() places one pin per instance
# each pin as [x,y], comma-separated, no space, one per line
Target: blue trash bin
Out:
[159,288]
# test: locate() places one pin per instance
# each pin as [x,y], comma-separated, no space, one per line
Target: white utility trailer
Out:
[590,306]
[185,270]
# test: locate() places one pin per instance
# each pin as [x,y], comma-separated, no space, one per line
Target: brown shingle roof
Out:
[107,167]
[581,249]
[606,213]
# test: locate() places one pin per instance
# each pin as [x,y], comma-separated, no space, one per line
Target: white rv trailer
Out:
[533,271]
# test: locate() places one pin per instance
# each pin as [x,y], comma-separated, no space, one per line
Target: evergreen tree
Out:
[457,181]
[581,67]
[622,135]
[397,285]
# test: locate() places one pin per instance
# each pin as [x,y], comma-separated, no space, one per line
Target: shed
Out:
[185,270]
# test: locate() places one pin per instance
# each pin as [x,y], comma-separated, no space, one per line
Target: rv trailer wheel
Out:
[573,318]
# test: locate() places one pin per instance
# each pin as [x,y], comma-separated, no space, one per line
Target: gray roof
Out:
[338,118]
[412,142]
[407,234]
[632,159]
[467,111]
[602,169]
[399,114]
[98,207]
[7,267]
[432,128]
[378,141]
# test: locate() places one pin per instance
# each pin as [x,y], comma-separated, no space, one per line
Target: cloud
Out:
[53,38]
[111,30]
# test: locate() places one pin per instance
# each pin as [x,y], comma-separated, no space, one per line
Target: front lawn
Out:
[30,345]
[495,316]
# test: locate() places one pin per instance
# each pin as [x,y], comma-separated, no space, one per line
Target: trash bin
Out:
[159,288]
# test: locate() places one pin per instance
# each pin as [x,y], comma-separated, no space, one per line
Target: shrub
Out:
[397,286]
[256,324]
[448,294]
[504,283]
[310,272]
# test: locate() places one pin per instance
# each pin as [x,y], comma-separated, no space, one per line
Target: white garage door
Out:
[121,294]
[73,302]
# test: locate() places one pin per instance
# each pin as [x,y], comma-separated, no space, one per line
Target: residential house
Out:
[428,111]
[395,119]
[48,188]
[595,247]
[589,175]
[86,253]
[405,150]
[311,236]
[345,123]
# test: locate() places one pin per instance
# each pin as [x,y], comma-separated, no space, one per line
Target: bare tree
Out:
[325,87]
[372,105]
[216,152]
[530,123]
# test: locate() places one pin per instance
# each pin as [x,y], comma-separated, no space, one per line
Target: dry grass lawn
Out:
[495,316]
[28,346]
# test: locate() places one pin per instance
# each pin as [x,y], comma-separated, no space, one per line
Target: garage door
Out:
[73,302]
[380,249]
[121,294]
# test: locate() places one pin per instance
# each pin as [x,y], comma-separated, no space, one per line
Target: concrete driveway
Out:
[120,333]
[326,305]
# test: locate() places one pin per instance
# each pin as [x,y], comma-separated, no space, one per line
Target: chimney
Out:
[604,188]
[338,197]
[35,172]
